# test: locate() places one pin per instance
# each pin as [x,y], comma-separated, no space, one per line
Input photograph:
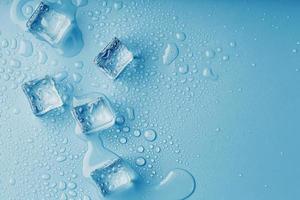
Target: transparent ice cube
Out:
[48,24]
[114,58]
[94,114]
[114,176]
[43,95]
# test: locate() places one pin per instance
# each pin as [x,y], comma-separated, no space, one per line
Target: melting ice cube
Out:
[94,115]
[43,95]
[114,58]
[114,176]
[48,24]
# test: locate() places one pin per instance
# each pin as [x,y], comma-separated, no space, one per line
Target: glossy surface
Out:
[217,81]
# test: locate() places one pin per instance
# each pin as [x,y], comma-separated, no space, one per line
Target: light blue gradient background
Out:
[255,155]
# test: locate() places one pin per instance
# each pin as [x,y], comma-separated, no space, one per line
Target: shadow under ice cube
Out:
[114,58]
[48,24]
[114,177]
[94,115]
[43,95]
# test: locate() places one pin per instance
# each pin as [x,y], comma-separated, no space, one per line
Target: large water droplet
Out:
[140,161]
[170,53]
[180,36]
[150,135]
[208,73]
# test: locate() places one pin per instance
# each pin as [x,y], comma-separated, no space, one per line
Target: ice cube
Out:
[114,176]
[43,95]
[48,24]
[94,115]
[114,58]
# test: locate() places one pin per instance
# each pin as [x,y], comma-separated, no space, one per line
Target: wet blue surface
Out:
[217,81]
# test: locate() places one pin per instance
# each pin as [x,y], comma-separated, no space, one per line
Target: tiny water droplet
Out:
[210,53]
[123,140]
[137,133]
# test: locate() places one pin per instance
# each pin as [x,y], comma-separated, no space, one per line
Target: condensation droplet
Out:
[150,135]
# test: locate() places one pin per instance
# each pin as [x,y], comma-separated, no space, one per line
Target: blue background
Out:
[238,135]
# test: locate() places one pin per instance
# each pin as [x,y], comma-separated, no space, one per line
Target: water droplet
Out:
[63,197]
[4,43]
[28,10]
[12,181]
[210,53]
[72,185]
[140,149]
[126,129]
[150,135]
[85,197]
[183,69]
[170,53]
[61,158]
[118,5]
[46,176]
[140,161]
[169,185]
[78,64]
[25,48]
[232,44]
[80,3]
[180,36]
[208,73]
[15,63]
[225,58]
[130,113]
[16,111]
[61,76]
[77,77]
[137,133]
[62,185]
[42,57]
[123,140]
[120,120]
[157,149]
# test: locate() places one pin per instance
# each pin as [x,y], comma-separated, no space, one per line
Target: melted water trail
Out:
[54,23]
[177,185]
[113,176]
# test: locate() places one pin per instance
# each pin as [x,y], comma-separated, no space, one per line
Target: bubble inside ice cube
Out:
[43,95]
[114,58]
[94,114]
[48,24]
[114,176]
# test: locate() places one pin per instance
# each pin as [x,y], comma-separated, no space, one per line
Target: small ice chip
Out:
[42,95]
[114,177]
[48,24]
[94,115]
[114,58]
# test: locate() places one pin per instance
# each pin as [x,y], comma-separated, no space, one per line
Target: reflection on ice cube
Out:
[114,58]
[94,114]
[48,24]
[43,95]
[114,176]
